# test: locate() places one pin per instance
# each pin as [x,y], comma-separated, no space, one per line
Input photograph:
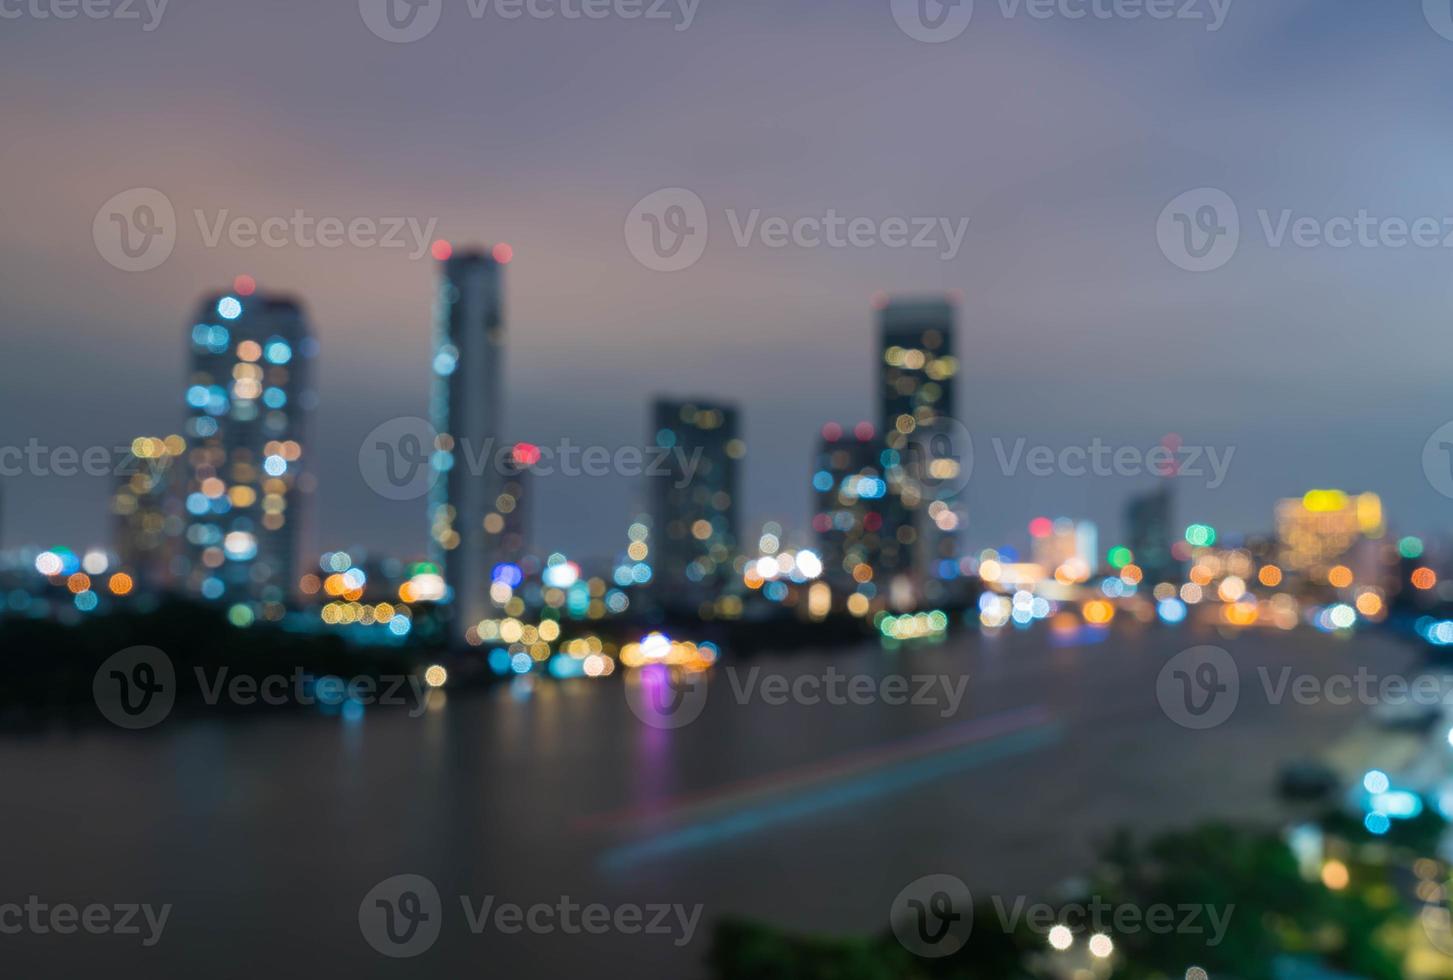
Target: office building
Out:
[149,512]
[1150,526]
[249,398]
[856,519]
[917,372]
[694,503]
[466,406]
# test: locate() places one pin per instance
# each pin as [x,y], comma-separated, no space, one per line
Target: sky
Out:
[1060,140]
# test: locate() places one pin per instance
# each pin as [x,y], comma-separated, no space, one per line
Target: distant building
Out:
[249,395]
[1149,521]
[1318,530]
[1065,549]
[694,504]
[467,413]
[507,525]
[857,520]
[917,372]
[149,511]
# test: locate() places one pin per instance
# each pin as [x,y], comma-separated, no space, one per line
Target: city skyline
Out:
[1076,325]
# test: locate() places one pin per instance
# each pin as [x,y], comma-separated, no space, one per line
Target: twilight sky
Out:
[1059,140]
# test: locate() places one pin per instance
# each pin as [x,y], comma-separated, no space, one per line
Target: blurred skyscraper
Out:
[917,372]
[694,503]
[249,397]
[150,512]
[855,517]
[1065,548]
[1323,527]
[507,525]
[467,408]
[1149,522]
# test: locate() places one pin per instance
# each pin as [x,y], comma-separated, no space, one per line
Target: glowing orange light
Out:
[1424,578]
[1335,875]
[121,583]
[79,582]
[441,250]
[1270,576]
[1340,577]
[1098,612]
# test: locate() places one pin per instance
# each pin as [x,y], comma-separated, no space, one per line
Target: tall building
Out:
[694,502]
[467,408]
[917,372]
[1149,521]
[249,398]
[856,519]
[1066,549]
[507,525]
[149,510]
[1318,530]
